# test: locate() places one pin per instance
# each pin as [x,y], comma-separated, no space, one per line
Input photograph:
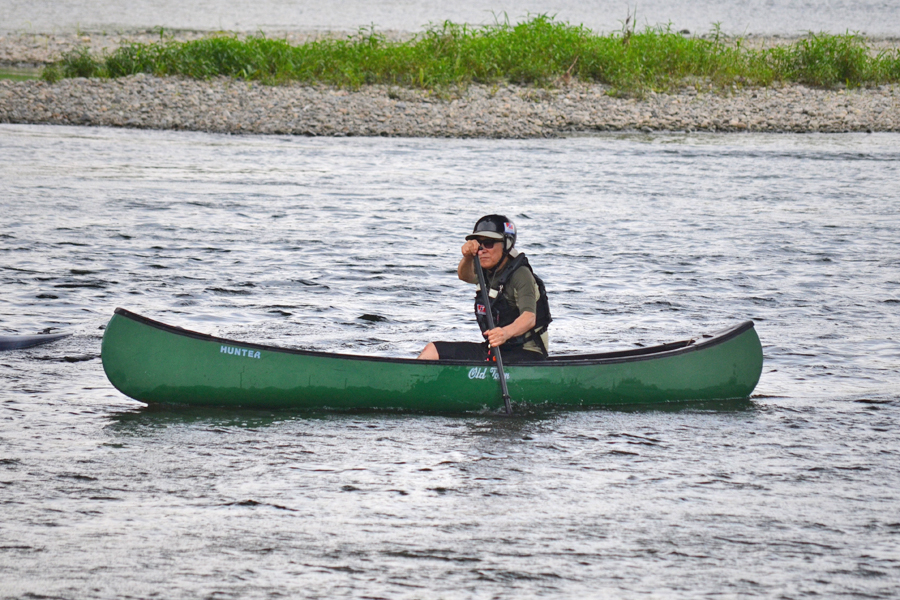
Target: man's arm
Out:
[498,336]
[525,294]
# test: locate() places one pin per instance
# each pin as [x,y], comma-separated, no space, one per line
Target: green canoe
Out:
[160,364]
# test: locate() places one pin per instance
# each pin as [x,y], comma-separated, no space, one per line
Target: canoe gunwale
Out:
[614,357]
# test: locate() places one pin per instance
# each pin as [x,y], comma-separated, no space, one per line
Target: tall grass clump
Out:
[540,51]
[830,60]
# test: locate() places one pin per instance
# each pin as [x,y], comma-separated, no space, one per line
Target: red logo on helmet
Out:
[509,228]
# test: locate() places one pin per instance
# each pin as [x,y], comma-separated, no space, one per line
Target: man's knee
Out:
[429,352]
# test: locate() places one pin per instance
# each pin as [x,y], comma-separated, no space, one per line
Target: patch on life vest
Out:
[509,228]
[479,308]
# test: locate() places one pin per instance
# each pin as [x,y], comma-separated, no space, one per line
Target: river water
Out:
[641,239]
[760,17]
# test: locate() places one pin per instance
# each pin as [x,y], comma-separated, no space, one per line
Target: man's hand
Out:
[496,337]
[470,248]
[466,268]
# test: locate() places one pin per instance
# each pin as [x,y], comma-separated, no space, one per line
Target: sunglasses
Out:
[488,244]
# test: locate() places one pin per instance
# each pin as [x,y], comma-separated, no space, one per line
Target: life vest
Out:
[505,312]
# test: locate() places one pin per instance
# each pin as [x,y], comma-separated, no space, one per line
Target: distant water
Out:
[784,17]
[794,493]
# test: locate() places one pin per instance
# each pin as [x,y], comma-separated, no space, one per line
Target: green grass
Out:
[19,74]
[540,51]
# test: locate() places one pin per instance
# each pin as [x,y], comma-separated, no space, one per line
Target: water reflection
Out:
[139,420]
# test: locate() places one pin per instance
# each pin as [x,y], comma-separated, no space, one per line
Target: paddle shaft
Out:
[486,298]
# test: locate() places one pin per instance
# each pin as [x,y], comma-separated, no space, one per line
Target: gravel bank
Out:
[229,106]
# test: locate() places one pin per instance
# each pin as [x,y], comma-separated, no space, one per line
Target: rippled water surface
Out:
[641,239]
[792,17]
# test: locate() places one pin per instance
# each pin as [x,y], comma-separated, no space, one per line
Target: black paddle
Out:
[486,298]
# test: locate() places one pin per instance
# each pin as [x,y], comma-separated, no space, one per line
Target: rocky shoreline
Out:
[230,106]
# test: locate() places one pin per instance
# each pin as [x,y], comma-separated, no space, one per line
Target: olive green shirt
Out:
[522,292]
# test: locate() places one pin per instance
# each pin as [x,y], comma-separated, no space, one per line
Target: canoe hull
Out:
[160,364]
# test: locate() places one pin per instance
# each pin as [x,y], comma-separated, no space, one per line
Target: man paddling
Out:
[518,299]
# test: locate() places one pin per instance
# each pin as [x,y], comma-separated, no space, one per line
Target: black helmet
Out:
[497,227]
